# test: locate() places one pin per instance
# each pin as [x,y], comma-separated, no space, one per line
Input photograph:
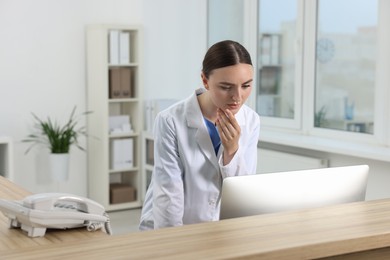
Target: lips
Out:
[233,106]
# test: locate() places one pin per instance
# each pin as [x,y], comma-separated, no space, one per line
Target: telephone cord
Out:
[93,226]
[107,225]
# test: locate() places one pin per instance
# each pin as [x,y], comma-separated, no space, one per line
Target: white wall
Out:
[229,22]
[175,43]
[42,65]
[42,68]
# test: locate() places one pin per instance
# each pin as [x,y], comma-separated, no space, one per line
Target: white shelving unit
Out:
[6,157]
[147,160]
[104,104]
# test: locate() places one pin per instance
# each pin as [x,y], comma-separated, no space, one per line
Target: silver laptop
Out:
[282,191]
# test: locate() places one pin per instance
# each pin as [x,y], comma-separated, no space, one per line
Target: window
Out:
[330,80]
[276,58]
[346,52]
[321,67]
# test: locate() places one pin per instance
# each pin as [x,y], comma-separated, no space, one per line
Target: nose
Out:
[236,94]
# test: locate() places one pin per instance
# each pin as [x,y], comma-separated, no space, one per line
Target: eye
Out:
[246,86]
[225,87]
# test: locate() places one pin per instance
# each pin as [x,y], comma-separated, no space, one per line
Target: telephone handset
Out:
[35,213]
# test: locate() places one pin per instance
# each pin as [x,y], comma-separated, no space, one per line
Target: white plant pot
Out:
[59,166]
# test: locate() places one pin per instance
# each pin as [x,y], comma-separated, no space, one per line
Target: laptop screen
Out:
[282,191]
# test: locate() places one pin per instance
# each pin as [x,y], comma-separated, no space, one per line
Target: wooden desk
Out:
[18,239]
[306,234]
[350,231]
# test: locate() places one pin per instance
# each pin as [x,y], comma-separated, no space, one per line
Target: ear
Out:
[204,81]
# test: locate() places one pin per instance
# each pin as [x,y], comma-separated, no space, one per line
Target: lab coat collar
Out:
[195,120]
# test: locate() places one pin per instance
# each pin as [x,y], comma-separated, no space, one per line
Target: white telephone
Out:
[35,213]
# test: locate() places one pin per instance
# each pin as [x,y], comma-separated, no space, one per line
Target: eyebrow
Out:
[231,84]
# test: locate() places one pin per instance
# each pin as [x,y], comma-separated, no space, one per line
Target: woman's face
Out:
[229,87]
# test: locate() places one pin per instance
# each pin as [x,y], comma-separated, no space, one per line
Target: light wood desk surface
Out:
[305,234]
[18,239]
[330,231]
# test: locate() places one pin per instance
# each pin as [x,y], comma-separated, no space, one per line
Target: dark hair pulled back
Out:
[223,54]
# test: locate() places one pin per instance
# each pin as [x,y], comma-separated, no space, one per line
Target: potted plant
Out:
[58,139]
[320,117]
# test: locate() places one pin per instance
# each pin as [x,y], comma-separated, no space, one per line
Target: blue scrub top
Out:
[214,135]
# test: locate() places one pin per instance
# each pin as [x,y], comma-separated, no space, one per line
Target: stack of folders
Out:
[120,82]
[120,78]
[122,155]
[119,47]
[120,124]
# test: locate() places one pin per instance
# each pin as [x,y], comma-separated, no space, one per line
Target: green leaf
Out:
[57,138]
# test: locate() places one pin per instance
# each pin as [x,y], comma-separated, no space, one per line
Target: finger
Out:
[228,117]
[223,122]
[228,123]
[232,118]
[226,131]
[222,134]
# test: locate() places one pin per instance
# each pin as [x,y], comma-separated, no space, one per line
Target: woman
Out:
[202,140]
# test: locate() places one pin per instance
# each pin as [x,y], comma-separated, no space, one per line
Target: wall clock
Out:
[325,50]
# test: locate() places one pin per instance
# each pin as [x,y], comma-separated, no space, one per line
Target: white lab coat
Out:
[187,176]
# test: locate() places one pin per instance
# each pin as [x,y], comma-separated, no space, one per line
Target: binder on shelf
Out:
[124,47]
[114,46]
[128,155]
[116,160]
[126,86]
[120,83]
[115,83]
[122,154]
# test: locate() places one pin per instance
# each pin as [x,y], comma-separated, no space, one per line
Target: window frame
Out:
[293,124]
[310,41]
[300,131]
[303,122]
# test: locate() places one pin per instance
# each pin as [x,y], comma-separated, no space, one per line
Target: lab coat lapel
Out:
[195,120]
[203,139]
